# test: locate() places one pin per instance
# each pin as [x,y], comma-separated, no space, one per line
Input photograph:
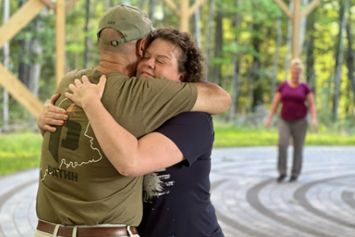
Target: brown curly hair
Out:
[190,58]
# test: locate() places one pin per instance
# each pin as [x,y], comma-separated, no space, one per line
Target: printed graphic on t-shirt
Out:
[74,131]
[154,183]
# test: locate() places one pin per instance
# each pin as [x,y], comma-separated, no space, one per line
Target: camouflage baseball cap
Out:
[132,22]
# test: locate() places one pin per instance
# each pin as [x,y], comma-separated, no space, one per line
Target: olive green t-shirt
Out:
[78,185]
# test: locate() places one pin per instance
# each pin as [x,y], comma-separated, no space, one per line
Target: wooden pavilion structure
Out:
[33,7]
[296,16]
[17,22]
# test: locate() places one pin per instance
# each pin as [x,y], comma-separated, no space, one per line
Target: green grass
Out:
[19,151]
[227,135]
[22,150]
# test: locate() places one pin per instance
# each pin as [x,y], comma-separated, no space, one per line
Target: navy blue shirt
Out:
[177,199]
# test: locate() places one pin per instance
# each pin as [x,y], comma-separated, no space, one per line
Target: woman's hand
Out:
[51,115]
[267,124]
[84,92]
[315,124]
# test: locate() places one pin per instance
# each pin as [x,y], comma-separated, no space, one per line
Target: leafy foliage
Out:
[254,40]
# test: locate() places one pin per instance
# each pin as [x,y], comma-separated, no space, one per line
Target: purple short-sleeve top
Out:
[293,100]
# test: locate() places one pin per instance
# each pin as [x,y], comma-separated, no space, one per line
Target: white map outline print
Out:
[76,164]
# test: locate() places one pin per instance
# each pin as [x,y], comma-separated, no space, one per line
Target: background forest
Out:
[247,45]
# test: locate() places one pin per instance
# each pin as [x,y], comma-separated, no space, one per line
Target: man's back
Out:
[78,185]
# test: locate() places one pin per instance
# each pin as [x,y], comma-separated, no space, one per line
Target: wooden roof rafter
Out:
[53,7]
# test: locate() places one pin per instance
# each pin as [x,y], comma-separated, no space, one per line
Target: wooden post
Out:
[184,16]
[60,40]
[296,17]
[185,12]
[296,29]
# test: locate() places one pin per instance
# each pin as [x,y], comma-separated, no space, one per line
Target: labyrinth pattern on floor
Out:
[244,191]
[249,201]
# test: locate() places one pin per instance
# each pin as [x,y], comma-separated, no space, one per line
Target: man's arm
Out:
[211,98]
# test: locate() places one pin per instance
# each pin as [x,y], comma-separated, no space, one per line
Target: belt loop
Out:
[75,230]
[130,232]
[55,231]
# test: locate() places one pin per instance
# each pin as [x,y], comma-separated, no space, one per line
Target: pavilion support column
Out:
[296,17]
[184,16]
[60,40]
[296,29]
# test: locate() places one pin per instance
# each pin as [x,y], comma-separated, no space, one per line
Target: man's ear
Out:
[141,47]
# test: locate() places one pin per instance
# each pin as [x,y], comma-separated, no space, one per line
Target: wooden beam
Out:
[19,20]
[70,4]
[49,4]
[173,7]
[310,8]
[195,7]
[284,8]
[20,92]
[184,16]
[60,41]
[296,29]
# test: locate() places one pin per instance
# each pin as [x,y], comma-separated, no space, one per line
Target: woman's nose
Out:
[150,62]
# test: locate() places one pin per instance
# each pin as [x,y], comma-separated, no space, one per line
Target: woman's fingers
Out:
[77,82]
[50,107]
[49,128]
[85,79]
[69,95]
[53,99]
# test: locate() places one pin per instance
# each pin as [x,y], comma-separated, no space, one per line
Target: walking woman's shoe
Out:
[281,178]
[293,178]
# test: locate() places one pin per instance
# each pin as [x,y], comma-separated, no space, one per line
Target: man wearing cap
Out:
[80,193]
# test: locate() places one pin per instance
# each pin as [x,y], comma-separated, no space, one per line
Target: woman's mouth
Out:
[146,74]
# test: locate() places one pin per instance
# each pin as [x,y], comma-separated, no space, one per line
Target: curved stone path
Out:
[248,200]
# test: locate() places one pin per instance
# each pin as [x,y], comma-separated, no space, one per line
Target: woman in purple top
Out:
[292,122]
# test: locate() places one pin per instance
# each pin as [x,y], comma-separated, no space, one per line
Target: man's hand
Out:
[51,116]
[84,92]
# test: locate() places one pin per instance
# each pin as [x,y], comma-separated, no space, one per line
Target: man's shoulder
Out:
[75,73]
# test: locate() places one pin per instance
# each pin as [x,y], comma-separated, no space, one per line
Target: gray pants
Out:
[297,129]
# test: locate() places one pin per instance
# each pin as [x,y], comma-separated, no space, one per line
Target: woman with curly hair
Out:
[176,199]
